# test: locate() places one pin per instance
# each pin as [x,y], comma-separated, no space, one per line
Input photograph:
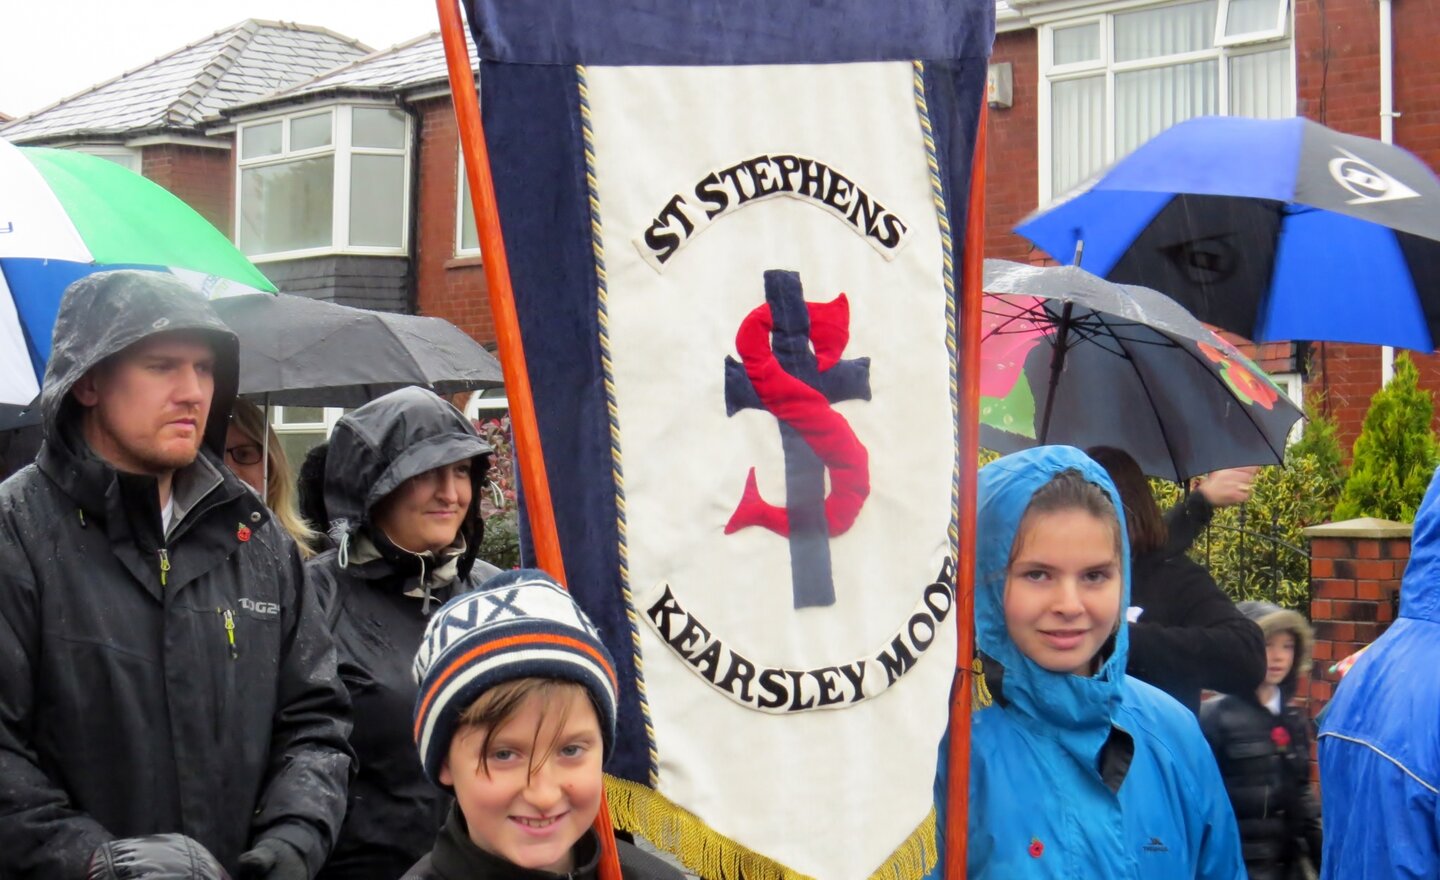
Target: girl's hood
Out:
[1072,703]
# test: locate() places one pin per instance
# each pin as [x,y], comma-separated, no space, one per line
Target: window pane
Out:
[308,132]
[125,158]
[296,446]
[1249,16]
[377,127]
[1166,30]
[1077,44]
[287,206]
[1149,101]
[260,140]
[301,415]
[1077,124]
[469,237]
[377,195]
[1260,84]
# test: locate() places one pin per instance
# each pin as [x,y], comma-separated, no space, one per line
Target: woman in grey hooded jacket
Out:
[403,478]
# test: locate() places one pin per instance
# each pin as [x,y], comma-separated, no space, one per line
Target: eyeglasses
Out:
[244,453]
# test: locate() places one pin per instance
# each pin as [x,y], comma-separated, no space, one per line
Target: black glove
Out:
[157,857]
[273,860]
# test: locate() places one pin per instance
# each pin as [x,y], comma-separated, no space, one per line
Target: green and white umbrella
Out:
[64,215]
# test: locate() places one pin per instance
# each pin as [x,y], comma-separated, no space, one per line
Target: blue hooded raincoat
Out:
[1380,734]
[1074,777]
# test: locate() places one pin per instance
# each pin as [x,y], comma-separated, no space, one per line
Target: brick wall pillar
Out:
[1355,572]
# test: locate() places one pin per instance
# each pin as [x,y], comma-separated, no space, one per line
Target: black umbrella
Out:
[1275,229]
[297,351]
[1071,358]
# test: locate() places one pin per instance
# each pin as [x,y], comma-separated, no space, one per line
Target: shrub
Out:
[1395,454]
[499,507]
[1258,550]
[1320,440]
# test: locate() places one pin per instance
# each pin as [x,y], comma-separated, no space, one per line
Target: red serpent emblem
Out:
[807,411]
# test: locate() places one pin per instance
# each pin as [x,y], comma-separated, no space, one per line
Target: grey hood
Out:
[1273,619]
[386,442]
[107,312]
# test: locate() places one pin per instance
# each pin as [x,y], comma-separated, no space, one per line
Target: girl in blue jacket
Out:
[1077,770]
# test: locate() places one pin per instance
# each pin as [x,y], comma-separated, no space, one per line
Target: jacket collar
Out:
[126,507]
[456,857]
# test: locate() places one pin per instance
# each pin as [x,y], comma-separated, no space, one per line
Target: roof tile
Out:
[197,81]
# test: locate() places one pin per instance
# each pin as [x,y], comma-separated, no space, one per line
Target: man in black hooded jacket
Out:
[163,665]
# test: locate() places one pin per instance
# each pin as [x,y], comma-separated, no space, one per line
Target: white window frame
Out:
[327,422]
[340,147]
[1276,32]
[462,185]
[484,405]
[1104,14]
[1293,386]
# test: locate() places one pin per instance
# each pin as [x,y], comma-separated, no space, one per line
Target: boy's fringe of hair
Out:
[642,810]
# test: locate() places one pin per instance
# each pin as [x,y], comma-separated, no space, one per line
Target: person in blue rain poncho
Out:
[1077,770]
[1379,746]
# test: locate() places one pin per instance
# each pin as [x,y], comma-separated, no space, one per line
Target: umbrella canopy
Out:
[1275,229]
[297,351]
[1074,359]
[65,214]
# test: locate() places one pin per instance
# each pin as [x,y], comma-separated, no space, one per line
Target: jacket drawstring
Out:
[342,552]
[425,582]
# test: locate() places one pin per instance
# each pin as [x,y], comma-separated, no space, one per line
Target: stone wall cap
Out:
[1364,527]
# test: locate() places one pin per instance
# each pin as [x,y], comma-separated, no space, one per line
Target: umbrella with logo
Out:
[298,351]
[1275,229]
[64,215]
[1070,358]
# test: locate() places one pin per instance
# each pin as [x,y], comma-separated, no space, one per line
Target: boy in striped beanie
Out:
[516,715]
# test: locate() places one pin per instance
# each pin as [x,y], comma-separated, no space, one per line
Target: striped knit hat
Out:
[520,624]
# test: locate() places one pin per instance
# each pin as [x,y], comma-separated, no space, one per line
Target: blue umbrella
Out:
[1274,229]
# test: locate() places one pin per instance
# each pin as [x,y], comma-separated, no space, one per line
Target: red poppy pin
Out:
[242,532]
[1037,849]
[1280,736]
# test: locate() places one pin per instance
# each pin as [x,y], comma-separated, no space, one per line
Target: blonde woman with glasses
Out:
[245,455]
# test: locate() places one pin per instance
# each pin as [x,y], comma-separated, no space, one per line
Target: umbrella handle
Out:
[1057,365]
[265,452]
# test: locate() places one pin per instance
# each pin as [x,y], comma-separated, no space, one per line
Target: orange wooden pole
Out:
[507,332]
[972,280]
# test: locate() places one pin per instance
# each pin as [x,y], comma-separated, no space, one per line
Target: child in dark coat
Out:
[1262,744]
[516,716]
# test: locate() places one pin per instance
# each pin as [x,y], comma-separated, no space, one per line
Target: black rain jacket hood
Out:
[386,442]
[107,312]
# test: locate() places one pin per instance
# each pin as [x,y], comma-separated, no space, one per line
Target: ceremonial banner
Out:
[734,231]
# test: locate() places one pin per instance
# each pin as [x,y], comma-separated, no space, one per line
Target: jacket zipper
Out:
[164,564]
[230,632]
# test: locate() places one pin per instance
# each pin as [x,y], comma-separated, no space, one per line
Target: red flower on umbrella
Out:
[1009,328]
[1280,736]
[1236,372]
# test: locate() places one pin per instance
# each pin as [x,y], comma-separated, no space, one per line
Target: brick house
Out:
[335,168]
[349,187]
[1091,80]
[152,119]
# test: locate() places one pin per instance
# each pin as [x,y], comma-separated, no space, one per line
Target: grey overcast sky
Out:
[54,48]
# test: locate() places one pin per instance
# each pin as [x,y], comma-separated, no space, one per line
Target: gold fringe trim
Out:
[644,811]
[981,697]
